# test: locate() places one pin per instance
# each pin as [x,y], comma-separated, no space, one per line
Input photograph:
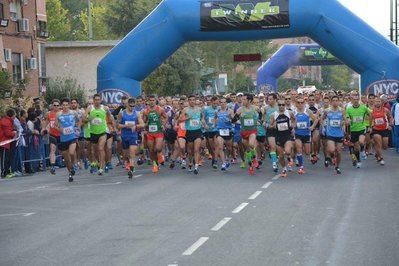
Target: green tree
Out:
[59,88]
[100,28]
[122,16]
[58,21]
[336,77]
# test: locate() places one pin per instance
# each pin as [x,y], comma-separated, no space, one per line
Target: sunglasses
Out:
[300,102]
[288,99]
[56,105]
[280,104]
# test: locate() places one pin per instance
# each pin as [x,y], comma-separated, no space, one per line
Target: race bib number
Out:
[130,123]
[52,124]
[96,121]
[194,123]
[282,126]
[153,128]
[68,131]
[224,132]
[335,123]
[302,125]
[358,119]
[379,121]
[211,120]
[249,122]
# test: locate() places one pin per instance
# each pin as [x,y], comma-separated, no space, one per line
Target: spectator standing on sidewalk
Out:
[395,115]
[7,133]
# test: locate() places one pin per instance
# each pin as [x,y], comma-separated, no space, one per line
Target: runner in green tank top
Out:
[96,115]
[154,117]
[248,116]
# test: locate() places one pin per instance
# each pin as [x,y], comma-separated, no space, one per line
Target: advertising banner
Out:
[388,87]
[235,15]
[316,56]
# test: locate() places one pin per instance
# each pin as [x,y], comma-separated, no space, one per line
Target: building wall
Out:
[25,43]
[79,63]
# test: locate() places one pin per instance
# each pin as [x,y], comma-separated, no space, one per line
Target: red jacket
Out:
[6,130]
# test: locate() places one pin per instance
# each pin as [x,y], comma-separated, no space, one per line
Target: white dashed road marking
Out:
[195,246]
[267,185]
[25,214]
[255,195]
[240,207]
[220,224]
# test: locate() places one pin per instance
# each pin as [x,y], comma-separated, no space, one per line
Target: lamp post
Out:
[89,20]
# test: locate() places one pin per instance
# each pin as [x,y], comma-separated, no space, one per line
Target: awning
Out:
[41,10]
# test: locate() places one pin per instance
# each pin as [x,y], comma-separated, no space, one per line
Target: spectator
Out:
[7,133]
[16,166]
[395,115]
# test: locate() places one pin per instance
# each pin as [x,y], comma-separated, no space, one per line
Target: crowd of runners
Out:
[279,132]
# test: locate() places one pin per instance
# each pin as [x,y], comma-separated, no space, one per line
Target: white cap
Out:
[240,94]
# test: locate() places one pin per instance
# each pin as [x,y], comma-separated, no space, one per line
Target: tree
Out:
[100,28]
[58,22]
[336,77]
[122,16]
[60,88]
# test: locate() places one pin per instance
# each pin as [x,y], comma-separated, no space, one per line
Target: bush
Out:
[60,88]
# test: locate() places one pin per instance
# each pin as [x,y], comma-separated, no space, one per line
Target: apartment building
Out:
[23,34]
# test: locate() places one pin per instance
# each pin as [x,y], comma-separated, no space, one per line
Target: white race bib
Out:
[211,120]
[224,132]
[302,125]
[335,123]
[282,126]
[379,121]
[96,121]
[194,123]
[68,131]
[358,119]
[249,122]
[130,123]
[153,128]
[52,124]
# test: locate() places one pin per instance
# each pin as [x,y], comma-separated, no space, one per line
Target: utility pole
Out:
[391,20]
[90,21]
[396,22]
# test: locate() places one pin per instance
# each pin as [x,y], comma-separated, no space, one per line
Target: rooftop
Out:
[66,44]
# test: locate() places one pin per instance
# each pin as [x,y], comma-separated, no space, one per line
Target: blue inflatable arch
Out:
[291,55]
[174,22]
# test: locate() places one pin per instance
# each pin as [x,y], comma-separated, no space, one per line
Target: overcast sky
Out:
[375,12]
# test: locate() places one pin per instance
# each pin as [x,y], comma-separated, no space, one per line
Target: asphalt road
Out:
[176,218]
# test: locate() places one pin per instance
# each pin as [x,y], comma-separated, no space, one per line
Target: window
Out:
[17,67]
[1,11]
[42,29]
[15,10]
[42,60]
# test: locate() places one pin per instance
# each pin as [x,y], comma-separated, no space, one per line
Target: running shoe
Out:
[155,168]
[86,164]
[190,167]
[52,170]
[109,165]
[224,167]
[161,159]
[251,170]
[382,162]
[172,165]
[283,173]
[234,161]
[275,167]
[214,164]
[70,179]
[183,164]
[140,161]
[100,171]
[242,165]
[255,163]
[358,165]
[363,155]
[106,169]
[301,171]
[338,171]
[9,176]
[290,165]
[196,170]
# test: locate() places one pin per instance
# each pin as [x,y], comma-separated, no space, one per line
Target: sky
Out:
[375,12]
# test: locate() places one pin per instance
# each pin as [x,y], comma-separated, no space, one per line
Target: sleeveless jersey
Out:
[67,124]
[380,119]
[52,117]
[302,123]
[154,120]
[98,123]
[210,114]
[334,123]
[129,119]
[249,119]
[194,123]
[283,123]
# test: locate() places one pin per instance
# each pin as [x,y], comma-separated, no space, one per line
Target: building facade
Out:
[23,34]
[77,60]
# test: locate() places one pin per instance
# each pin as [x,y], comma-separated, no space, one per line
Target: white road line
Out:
[255,195]
[267,185]
[240,207]
[93,185]
[137,176]
[17,214]
[220,224]
[173,265]
[195,246]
